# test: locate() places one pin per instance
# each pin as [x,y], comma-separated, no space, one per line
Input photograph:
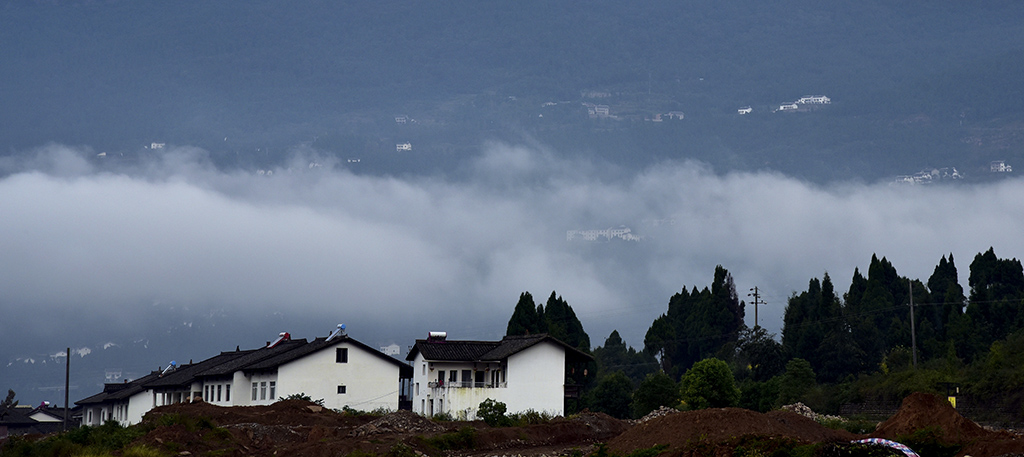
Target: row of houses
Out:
[439,376]
[24,420]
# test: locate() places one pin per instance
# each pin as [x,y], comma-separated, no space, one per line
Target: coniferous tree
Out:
[698,324]
[816,330]
[616,356]
[945,288]
[526,318]
[562,323]
[997,291]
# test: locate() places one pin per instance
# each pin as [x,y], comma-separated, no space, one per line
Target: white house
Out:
[338,369]
[524,372]
[745,110]
[814,100]
[1000,166]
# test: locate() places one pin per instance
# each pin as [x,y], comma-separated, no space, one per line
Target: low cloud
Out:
[403,256]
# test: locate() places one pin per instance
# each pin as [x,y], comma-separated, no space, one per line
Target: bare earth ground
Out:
[297,428]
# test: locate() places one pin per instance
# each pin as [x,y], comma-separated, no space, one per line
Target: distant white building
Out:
[403,119]
[999,166]
[745,110]
[157,145]
[403,147]
[814,100]
[788,107]
[622,232]
[675,115]
[392,349]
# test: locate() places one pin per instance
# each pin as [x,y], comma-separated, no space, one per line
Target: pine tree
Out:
[525,319]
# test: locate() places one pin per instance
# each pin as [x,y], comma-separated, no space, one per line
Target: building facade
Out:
[523,372]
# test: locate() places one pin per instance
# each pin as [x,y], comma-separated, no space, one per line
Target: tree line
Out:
[836,348]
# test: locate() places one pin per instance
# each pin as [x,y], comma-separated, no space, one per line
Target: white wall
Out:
[370,381]
[535,379]
[138,405]
[263,396]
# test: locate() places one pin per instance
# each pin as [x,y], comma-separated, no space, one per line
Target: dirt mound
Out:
[920,410]
[285,412]
[558,437]
[681,430]
[927,411]
[398,422]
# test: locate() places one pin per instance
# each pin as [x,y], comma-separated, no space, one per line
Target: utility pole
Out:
[757,300]
[913,333]
[67,382]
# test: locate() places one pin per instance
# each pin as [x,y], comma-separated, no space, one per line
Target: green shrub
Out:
[529,417]
[443,417]
[302,396]
[493,413]
[465,438]
[401,450]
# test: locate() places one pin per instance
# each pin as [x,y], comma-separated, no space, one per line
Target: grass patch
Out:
[464,438]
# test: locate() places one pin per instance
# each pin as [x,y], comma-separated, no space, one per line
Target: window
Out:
[417,388]
[273,390]
[227,392]
[341,355]
[424,368]
[467,378]
[263,390]
[206,393]
[218,392]
[341,389]
[440,378]
[254,391]
[453,376]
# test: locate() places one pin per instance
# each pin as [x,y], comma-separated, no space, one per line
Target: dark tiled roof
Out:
[452,350]
[226,363]
[252,356]
[16,416]
[320,343]
[478,351]
[184,375]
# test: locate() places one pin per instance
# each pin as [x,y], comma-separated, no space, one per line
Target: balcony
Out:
[465,384]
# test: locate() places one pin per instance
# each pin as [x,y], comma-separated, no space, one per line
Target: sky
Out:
[95,251]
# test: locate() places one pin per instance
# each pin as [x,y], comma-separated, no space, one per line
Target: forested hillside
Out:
[913,85]
[836,348]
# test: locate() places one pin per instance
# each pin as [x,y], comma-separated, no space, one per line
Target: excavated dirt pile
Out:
[299,428]
[921,411]
[686,431]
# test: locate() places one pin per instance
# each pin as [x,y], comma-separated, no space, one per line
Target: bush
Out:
[465,438]
[302,396]
[529,417]
[709,384]
[493,413]
[443,417]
